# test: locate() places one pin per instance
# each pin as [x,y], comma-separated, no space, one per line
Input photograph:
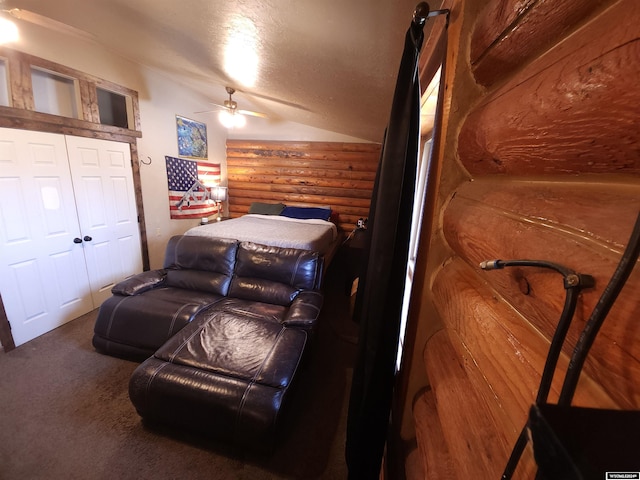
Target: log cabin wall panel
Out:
[437,464]
[551,152]
[502,357]
[340,175]
[538,294]
[575,110]
[512,32]
[549,201]
[477,455]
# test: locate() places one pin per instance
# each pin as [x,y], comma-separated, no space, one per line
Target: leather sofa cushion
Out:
[200,263]
[146,321]
[254,351]
[223,376]
[305,310]
[290,266]
[140,283]
[250,309]
[201,253]
[273,274]
[198,280]
[260,290]
[227,409]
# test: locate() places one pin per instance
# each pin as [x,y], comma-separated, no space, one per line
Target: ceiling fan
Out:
[230,116]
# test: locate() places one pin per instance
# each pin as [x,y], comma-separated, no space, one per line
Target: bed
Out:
[280,230]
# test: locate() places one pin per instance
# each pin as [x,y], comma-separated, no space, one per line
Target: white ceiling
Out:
[330,64]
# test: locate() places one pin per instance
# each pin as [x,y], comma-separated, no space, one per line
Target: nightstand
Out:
[354,249]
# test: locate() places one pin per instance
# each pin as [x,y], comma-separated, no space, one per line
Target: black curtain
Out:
[382,277]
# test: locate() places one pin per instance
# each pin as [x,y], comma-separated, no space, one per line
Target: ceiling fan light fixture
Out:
[239,120]
[231,120]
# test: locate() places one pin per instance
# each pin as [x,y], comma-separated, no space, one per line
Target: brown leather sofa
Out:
[222,329]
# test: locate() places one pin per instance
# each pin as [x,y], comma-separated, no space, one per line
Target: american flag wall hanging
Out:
[189,183]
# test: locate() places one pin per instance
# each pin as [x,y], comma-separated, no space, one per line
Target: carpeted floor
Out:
[65,413]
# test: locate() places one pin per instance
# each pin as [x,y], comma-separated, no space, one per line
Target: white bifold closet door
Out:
[68,227]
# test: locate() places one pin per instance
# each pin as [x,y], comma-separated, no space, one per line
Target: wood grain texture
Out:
[601,210]
[497,17]
[137,189]
[538,294]
[507,350]
[573,110]
[340,175]
[20,86]
[44,122]
[434,453]
[89,101]
[21,113]
[512,32]
[475,441]
[413,466]
[549,139]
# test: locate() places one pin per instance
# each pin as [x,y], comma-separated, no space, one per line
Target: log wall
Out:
[545,144]
[336,174]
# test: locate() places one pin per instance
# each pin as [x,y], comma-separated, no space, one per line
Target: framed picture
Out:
[192,138]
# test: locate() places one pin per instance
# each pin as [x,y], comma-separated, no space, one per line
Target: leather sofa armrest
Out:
[304,310]
[140,283]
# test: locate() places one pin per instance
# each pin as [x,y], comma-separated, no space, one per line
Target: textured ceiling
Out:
[329,64]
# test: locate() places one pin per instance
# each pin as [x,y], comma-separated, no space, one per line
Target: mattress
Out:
[275,230]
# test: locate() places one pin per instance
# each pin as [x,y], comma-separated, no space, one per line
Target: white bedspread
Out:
[274,230]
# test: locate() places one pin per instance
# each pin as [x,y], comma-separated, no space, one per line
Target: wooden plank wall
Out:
[551,150]
[336,174]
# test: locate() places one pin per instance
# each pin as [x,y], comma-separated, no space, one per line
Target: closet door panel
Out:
[43,276]
[103,182]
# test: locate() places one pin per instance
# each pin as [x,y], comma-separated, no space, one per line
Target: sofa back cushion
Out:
[273,274]
[200,263]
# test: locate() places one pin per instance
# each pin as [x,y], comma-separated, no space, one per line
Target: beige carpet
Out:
[65,413]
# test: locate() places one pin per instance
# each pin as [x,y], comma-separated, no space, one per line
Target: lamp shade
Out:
[218,193]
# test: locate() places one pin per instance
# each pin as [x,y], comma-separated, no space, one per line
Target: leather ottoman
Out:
[224,375]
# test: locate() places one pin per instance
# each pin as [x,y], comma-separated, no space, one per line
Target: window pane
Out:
[54,94]
[113,108]
[4,85]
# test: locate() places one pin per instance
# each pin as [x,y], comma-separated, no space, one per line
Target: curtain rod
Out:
[422,12]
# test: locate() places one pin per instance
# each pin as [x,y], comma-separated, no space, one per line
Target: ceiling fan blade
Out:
[253,114]
[275,100]
[218,107]
[231,106]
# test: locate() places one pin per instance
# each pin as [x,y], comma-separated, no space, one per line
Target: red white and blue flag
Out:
[189,181]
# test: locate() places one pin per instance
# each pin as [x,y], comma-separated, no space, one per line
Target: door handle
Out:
[87,238]
[77,240]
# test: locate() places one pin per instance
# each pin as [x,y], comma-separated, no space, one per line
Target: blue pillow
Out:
[306,213]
